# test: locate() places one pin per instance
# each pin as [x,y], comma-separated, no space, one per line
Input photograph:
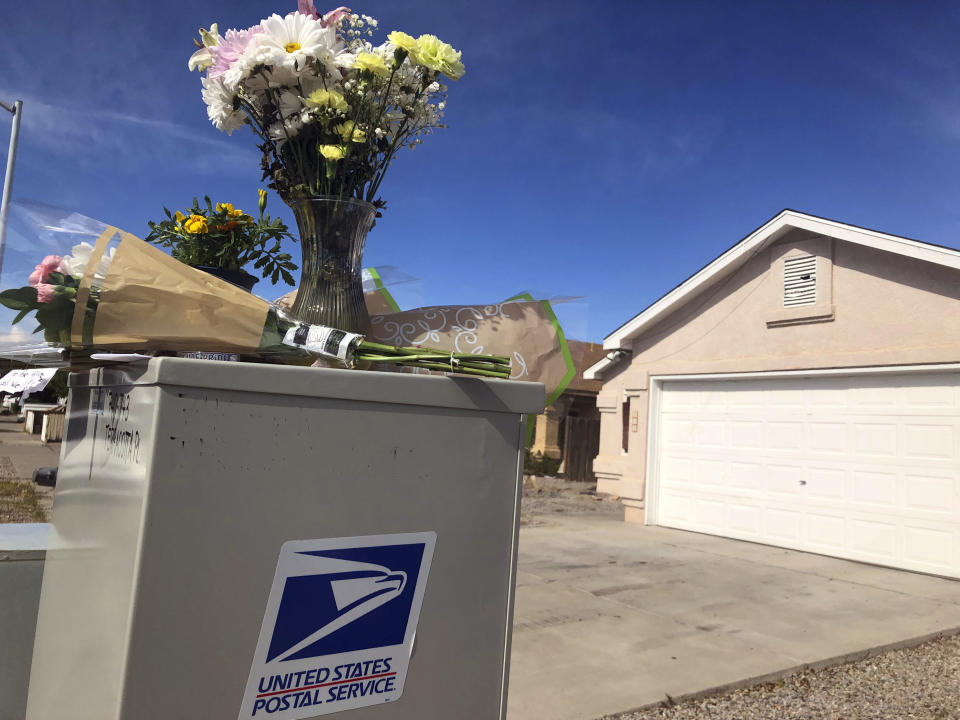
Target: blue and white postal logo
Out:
[339,626]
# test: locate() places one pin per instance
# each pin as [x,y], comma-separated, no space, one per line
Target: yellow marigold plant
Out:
[223,236]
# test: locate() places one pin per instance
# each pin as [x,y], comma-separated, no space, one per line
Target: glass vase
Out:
[332,235]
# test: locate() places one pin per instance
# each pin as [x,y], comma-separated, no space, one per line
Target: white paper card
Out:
[322,340]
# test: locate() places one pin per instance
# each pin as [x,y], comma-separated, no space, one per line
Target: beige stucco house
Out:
[801,390]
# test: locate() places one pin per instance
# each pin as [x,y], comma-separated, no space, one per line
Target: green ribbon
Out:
[567,358]
[383,290]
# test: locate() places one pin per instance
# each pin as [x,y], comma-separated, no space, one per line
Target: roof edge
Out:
[743,250]
[594,371]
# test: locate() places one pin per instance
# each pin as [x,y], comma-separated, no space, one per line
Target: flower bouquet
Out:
[221,240]
[122,294]
[51,293]
[330,111]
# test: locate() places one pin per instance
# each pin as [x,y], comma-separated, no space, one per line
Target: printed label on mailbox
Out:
[338,630]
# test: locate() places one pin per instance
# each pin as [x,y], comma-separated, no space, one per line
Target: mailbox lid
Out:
[461,392]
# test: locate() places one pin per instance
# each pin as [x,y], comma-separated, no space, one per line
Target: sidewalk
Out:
[21,454]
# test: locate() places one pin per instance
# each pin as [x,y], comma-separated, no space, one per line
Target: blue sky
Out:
[596,149]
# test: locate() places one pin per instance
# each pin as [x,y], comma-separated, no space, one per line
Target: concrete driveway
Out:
[611,616]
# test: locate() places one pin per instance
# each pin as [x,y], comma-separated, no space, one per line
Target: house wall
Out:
[873,308]
[547,440]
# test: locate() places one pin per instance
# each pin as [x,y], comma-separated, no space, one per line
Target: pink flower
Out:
[306,7]
[334,16]
[45,292]
[230,48]
[51,263]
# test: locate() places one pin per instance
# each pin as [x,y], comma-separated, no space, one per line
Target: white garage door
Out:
[865,467]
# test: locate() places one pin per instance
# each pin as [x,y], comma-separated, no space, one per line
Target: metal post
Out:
[17,111]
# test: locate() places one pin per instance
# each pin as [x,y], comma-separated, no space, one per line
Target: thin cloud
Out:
[647,148]
[83,133]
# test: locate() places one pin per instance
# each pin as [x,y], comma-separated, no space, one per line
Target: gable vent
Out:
[800,281]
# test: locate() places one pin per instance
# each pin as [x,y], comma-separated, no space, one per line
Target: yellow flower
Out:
[196,225]
[332,152]
[178,217]
[230,209]
[373,63]
[326,99]
[350,132]
[403,41]
[435,54]
[262,200]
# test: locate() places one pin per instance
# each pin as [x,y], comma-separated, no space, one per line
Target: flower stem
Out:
[503,374]
[391,349]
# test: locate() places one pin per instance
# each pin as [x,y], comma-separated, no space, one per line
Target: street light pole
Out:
[16,111]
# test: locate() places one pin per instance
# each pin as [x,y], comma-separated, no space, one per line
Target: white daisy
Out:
[293,41]
[219,102]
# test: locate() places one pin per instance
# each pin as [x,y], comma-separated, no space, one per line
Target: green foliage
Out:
[23,299]
[226,238]
[55,316]
[58,384]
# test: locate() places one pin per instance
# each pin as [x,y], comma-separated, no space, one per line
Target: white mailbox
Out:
[255,541]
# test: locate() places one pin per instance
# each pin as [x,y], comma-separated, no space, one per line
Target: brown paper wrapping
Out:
[521,330]
[150,301]
[83,290]
[376,303]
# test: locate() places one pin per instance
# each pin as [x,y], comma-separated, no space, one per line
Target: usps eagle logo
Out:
[339,624]
[331,595]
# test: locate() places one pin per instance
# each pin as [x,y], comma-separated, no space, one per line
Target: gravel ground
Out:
[545,498]
[20,500]
[20,503]
[921,683]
